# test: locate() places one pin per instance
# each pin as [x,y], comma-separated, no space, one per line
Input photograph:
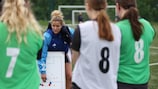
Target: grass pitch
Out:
[153,83]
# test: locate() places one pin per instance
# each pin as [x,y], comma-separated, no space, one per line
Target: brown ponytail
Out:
[102,19]
[104,26]
[136,26]
[133,16]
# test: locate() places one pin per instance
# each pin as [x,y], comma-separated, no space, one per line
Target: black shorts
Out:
[67,59]
[75,86]
[132,86]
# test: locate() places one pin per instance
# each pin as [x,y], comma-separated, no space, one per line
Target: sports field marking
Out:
[154,53]
[154,47]
[153,64]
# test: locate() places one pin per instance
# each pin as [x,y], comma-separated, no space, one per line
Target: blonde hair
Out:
[19,19]
[57,15]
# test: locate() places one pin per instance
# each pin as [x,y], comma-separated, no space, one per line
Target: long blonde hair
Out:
[19,19]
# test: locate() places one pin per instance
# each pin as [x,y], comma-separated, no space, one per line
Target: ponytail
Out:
[132,15]
[105,31]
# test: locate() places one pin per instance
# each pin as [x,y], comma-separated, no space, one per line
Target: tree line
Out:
[42,8]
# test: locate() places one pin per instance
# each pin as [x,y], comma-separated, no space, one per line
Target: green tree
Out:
[148,9]
[42,8]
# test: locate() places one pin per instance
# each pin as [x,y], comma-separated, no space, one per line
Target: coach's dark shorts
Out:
[132,86]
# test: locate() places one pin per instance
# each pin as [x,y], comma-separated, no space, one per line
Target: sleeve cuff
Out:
[43,72]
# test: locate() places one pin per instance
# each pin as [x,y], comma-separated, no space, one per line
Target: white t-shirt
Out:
[88,72]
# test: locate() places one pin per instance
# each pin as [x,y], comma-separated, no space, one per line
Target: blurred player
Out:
[80,18]
[20,40]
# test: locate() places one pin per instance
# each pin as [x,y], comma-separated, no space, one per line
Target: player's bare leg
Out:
[68,72]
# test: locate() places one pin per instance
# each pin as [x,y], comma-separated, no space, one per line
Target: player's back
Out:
[98,62]
[136,54]
[18,61]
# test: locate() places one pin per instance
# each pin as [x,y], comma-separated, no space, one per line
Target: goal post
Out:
[70,6]
[79,8]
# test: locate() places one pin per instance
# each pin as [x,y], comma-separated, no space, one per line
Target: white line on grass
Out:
[154,47]
[152,52]
[153,64]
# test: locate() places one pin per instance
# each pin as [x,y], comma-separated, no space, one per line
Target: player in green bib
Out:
[20,40]
[137,36]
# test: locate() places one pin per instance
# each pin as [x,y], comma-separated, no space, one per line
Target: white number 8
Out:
[139,54]
[13,52]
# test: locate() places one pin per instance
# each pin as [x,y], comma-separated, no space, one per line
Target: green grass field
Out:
[153,83]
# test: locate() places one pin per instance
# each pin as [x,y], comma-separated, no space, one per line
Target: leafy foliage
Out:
[42,8]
